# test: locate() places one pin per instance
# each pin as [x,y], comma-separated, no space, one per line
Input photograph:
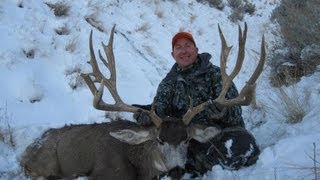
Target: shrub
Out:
[288,73]
[59,8]
[294,104]
[235,4]
[240,8]
[249,8]
[237,14]
[299,22]
[73,74]
[299,27]
[213,3]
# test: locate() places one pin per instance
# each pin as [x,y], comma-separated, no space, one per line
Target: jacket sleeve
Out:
[233,116]
[162,100]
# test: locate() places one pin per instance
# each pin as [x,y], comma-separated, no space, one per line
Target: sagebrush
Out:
[294,104]
[299,27]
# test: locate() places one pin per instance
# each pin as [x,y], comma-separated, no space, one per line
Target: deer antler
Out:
[247,92]
[110,82]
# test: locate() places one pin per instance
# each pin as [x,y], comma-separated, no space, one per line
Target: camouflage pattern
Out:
[201,82]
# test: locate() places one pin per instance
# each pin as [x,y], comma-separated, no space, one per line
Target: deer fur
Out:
[116,150]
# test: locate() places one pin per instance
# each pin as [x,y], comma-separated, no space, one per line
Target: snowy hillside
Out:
[42,56]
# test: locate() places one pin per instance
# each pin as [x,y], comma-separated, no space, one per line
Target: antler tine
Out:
[262,60]
[225,50]
[227,79]
[154,117]
[192,111]
[94,66]
[247,91]
[245,95]
[110,83]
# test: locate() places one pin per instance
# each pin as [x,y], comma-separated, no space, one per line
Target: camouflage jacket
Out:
[201,82]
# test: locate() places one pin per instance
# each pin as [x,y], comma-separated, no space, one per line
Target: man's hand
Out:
[142,117]
[216,110]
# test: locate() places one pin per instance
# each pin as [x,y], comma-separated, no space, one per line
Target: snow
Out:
[38,92]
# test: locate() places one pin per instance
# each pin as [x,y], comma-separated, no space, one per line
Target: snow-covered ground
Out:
[44,90]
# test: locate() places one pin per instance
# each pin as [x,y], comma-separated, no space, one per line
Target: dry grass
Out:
[73,74]
[294,104]
[6,132]
[94,22]
[64,30]
[71,45]
[159,13]
[59,8]
[193,18]
[143,28]
[311,171]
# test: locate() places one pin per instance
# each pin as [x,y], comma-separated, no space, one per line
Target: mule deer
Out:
[122,149]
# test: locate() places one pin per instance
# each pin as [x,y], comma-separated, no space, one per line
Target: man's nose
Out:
[184,49]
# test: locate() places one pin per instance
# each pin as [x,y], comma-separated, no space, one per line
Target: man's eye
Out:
[178,47]
[188,45]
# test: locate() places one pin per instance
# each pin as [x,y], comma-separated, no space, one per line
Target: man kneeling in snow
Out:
[194,76]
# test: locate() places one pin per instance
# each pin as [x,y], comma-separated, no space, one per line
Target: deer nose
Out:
[176,173]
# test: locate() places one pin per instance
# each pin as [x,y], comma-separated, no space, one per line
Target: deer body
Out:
[89,150]
[116,150]
[86,150]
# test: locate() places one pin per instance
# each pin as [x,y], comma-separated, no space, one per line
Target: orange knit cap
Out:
[182,35]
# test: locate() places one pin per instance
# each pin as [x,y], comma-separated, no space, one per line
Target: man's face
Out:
[184,52]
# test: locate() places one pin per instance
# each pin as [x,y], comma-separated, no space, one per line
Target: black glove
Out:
[216,110]
[142,117]
[146,107]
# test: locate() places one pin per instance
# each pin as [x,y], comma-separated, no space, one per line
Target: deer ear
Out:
[130,136]
[204,134]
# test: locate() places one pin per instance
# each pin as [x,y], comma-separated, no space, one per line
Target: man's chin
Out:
[185,65]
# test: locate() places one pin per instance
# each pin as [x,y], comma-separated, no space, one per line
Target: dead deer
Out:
[122,149]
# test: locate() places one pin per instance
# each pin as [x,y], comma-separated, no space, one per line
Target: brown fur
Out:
[86,150]
[119,150]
